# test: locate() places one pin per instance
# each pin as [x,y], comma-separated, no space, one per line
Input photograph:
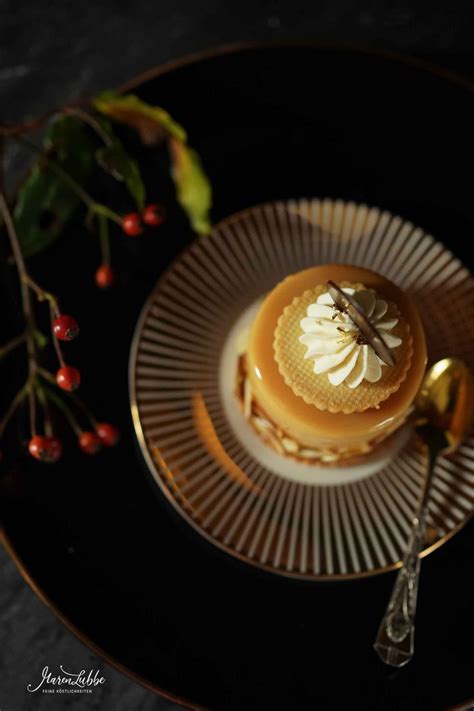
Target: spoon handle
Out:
[395,640]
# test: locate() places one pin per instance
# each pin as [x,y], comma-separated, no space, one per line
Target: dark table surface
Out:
[51,52]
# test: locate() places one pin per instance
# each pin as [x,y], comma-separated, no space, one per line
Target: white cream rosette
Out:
[336,345]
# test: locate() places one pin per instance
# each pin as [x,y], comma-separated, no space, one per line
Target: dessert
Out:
[328,382]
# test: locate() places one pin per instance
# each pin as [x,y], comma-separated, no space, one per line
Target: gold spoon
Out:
[443,412]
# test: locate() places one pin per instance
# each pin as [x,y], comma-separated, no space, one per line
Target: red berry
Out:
[45,449]
[68,378]
[154,215]
[65,328]
[108,434]
[132,224]
[89,442]
[104,276]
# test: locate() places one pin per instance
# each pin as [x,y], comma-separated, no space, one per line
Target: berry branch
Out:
[76,140]
[29,337]
[47,447]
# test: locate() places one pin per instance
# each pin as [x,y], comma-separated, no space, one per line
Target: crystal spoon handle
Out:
[396,636]
[395,642]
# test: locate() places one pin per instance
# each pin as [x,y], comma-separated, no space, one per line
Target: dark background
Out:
[51,52]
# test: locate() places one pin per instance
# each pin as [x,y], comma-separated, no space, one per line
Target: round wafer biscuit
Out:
[315,389]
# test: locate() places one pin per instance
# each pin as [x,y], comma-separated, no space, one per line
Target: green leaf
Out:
[148,121]
[44,202]
[116,161]
[193,189]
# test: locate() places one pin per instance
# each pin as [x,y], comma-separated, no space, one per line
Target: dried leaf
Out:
[193,189]
[152,123]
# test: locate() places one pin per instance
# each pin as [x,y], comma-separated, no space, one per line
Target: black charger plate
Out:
[100,545]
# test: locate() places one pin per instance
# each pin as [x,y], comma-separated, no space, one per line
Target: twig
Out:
[15,130]
[42,294]
[59,402]
[104,240]
[11,345]
[18,129]
[27,310]
[19,397]
[100,209]
[57,347]
[90,121]
[72,396]
[82,406]
[25,292]
[32,410]
[48,427]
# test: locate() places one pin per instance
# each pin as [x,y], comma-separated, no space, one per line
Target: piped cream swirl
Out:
[335,343]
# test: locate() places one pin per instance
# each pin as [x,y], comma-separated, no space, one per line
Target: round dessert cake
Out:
[332,364]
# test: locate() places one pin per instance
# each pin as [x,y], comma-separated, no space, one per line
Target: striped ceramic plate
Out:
[290,520]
